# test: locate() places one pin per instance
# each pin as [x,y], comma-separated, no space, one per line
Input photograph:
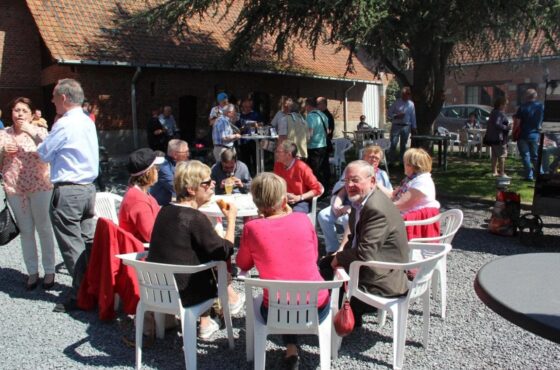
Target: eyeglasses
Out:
[355,180]
[374,158]
[206,183]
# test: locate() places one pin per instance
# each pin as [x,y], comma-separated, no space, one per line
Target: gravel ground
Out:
[471,337]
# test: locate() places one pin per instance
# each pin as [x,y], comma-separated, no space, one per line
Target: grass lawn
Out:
[472,177]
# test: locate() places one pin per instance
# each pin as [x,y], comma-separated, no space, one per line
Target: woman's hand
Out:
[230,211]
[292,198]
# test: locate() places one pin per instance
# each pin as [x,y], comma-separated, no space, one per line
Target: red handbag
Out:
[344,319]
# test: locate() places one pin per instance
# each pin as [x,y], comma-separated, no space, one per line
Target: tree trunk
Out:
[430,61]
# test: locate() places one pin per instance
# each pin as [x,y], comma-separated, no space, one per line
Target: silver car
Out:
[453,117]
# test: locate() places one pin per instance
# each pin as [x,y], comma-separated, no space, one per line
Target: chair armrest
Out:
[341,275]
[242,275]
[427,221]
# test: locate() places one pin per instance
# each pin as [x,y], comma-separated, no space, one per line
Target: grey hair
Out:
[175,145]
[530,94]
[229,108]
[363,165]
[71,89]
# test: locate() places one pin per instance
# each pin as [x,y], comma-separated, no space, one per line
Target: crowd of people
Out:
[48,179]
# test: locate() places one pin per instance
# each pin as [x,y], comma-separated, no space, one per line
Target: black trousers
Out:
[318,160]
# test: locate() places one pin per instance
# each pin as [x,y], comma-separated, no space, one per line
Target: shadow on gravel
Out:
[13,284]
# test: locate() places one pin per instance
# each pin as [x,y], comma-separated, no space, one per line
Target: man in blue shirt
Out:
[317,154]
[163,190]
[247,121]
[530,115]
[223,135]
[72,150]
[403,118]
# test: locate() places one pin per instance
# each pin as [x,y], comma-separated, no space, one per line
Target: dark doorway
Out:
[187,117]
[261,104]
[48,108]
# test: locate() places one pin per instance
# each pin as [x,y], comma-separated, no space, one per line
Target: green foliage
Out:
[392,93]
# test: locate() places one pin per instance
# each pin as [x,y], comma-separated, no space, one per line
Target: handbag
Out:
[8,226]
[344,319]
[516,132]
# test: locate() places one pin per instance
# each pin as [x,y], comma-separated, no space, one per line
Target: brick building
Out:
[126,71]
[507,70]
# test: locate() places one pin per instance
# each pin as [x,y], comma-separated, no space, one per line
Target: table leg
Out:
[445,148]
[439,154]
[258,164]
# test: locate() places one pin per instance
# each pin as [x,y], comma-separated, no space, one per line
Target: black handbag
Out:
[8,226]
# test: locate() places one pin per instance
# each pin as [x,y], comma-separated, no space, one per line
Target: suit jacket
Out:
[381,236]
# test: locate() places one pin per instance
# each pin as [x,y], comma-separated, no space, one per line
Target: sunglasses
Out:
[206,183]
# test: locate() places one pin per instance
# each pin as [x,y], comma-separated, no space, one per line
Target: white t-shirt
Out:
[424,184]
[215,112]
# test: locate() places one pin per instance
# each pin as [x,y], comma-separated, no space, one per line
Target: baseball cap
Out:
[141,160]
[221,96]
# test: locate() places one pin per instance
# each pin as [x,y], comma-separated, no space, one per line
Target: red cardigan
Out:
[138,213]
[299,178]
[107,275]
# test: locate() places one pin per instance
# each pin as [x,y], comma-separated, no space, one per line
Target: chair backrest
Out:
[156,281]
[292,305]
[341,145]
[432,253]
[450,222]
[106,206]
[429,254]
[442,131]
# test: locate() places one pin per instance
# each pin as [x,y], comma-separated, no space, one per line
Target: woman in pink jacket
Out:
[279,242]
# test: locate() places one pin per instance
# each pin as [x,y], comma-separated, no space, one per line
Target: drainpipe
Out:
[133,103]
[346,106]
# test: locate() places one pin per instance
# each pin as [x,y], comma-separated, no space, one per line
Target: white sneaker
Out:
[207,332]
[235,308]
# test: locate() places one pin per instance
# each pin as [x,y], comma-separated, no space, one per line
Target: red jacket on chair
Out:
[107,275]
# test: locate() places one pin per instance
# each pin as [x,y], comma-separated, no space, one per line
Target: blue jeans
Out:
[291,338]
[402,133]
[328,223]
[528,152]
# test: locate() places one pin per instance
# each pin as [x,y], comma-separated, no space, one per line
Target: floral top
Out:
[23,172]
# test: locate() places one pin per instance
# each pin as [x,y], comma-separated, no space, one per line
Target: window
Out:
[482,94]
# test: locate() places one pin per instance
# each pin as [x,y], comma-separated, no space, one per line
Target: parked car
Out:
[453,117]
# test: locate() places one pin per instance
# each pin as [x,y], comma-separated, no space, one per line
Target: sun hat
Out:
[141,160]
[221,97]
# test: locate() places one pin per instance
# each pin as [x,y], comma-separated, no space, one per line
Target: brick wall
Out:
[108,88]
[20,57]
[506,76]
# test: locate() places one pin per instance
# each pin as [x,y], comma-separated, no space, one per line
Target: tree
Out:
[415,40]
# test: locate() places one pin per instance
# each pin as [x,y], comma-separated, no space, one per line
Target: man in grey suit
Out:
[377,233]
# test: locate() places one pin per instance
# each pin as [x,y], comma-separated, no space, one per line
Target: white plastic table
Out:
[243,202]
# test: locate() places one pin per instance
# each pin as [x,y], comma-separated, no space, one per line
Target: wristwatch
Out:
[301,198]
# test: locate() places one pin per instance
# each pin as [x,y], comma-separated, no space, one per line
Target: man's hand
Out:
[292,198]
[237,182]
[339,211]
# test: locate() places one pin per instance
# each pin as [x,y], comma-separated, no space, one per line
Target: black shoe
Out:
[50,284]
[292,362]
[70,305]
[32,282]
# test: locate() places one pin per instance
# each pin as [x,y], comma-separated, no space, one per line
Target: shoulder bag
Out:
[8,226]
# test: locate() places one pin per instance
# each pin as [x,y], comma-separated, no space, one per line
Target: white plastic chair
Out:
[454,136]
[159,294]
[313,212]
[419,287]
[341,146]
[450,222]
[290,315]
[467,144]
[106,206]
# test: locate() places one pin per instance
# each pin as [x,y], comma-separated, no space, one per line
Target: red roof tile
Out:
[86,30]
[514,50]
